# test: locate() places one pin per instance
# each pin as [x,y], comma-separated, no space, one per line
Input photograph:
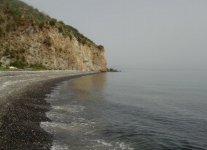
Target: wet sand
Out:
[23,107]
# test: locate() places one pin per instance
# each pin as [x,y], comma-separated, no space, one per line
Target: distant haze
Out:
[139,33]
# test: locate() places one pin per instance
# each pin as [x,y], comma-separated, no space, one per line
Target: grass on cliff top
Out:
[15,13]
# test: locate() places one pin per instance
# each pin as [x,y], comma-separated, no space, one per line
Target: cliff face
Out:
[51,49]
[48,44]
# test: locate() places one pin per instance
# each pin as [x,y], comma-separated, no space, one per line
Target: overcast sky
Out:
[139,33]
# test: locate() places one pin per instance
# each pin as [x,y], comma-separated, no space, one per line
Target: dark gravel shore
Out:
[20,119]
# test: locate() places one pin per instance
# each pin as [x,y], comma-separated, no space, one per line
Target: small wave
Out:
[123,146]
[54,127]
[114,146]
[69,108]
[59,146]
[60,113]
[52,97]
[55,116]
[104,143]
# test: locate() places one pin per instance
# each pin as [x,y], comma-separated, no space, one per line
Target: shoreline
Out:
[22,111]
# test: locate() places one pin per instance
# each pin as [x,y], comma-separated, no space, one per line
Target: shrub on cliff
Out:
[1,32]
[6,52]
[60,29]
[18,64]
[41,25]
[11,26]
[52,22]
[100,47]
[48,41]
[2,20]
[37,66]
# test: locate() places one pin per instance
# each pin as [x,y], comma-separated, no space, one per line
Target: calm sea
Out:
[133,110]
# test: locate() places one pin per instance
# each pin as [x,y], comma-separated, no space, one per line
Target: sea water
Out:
[133,110]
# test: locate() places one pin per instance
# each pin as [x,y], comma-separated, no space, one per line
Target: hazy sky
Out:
[139,33]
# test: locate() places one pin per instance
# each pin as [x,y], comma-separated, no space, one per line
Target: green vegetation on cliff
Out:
[15,13]
[32,39]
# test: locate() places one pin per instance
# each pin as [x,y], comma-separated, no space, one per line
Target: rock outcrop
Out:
[26,42]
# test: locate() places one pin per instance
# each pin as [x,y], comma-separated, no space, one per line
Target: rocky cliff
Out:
[30,39]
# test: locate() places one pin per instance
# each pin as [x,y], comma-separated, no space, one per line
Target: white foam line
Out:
[117,145]
[59,147]
[69,108]
[73,127]
[102,142]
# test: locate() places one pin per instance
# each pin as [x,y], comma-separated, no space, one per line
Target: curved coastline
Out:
[23,107]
